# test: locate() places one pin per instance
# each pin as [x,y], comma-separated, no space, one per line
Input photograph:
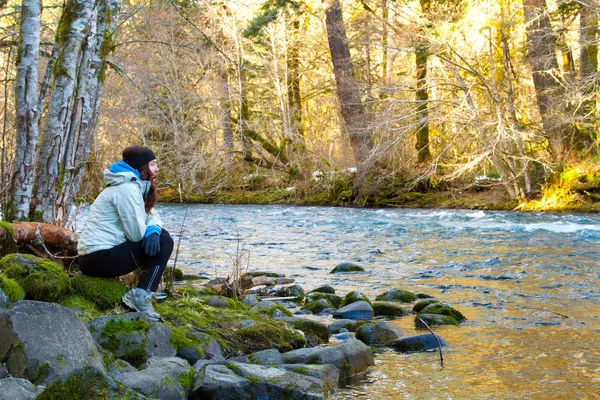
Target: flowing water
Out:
[528,284]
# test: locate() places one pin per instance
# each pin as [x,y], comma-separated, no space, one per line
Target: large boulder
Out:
[106,293]
[358,310]
[41,279]
[90,383]
[169,378]
[350,358]
[346,267]
[133,337]
[217,382]
[42,341]
[422,342]
[315,332]
[18,389]
[378,334]
[401,295]
[266,357]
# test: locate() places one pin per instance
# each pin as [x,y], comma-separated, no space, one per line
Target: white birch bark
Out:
[71,33]
[28,114]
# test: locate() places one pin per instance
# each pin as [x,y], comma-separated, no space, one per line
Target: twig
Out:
[543,309]
[437,339]
[177,251]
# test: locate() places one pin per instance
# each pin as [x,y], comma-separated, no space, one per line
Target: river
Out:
[527,282]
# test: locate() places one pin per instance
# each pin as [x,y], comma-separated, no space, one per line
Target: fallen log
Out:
[38,237]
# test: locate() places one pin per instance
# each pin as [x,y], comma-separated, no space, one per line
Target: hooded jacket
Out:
[118,214]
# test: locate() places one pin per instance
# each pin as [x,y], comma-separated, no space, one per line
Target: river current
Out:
[527,282]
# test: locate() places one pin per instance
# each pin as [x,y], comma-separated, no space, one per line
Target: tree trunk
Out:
[28,114]
[294,99]
[226,122]
[72,30]
[544,66]
[588,80]
[353,111]
[422,146]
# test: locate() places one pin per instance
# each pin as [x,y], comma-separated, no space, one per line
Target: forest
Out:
[340,102]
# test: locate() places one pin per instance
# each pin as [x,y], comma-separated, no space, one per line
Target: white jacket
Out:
[117,214]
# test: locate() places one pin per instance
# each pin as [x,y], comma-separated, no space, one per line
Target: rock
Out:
[268,307]
[353,297]
[10,290]
[424,296]
[3,371]
[120,367]
[41,279]
[200,365]
[218,302]
[324,289]
[205,346]
[350,358]
[328,374]
[317,306]
[266,357]
[251,300]
[403,296]
[434,319]
[422,342]
[106,293]
[328,311]
[4,300]
[444,309]
[293,290]
[90,383]
[162,378]
[133,337]
[348,324]
[344,335]
[358,310]
[332,298]
[389,309]
[42,341]
[18,389]
[218,382]
[346,267]
[380,333]
[422,304]
[315,332]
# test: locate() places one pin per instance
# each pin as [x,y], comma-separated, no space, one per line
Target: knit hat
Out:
[137,159]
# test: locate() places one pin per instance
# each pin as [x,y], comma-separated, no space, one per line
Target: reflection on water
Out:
[511,274]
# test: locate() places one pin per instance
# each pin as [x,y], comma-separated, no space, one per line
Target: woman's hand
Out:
[151,244]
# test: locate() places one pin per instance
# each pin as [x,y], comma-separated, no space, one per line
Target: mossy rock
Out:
[315,332]
[388,309]
[434,319]
[422,304]
[317,306]
[254,274]
[85,309]
[444,309]
[269,308]
[353,297]
[266,335]
[42,279]
[403,296]
[105,292]
[324,289]
[346,267]
[332,298]
[11,288]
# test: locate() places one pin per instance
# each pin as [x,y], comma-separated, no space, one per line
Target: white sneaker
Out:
[141,301]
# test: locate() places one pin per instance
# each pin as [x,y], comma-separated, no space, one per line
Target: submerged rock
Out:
[378,334]
[403,296]
[41,279]
[422,342]
[133,337]
[90,383]
[347,267]
[18,389]
[358,310]
[434,319]
[350,358]
[42,341]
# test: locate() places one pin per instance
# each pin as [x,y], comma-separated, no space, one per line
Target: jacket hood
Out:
[121,172]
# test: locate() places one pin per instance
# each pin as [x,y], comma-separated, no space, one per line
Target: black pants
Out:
[126,258]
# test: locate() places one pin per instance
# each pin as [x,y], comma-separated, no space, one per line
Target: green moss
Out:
[111,338]
[443,309]
[85,309]
[11,288]
[41,374]
[317,306]
[388,309]
[105,292]
[42,279]
[422,304]
[266,335]
[353,297]
[178,274]
[180,339]
[400,295]
[187,380]
[253,379]
[434,319]
[313,329]
[233,368]
[8,228]
[300,370]
[270,311]
[332,298]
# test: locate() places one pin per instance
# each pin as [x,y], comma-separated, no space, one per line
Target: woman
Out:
[123,231]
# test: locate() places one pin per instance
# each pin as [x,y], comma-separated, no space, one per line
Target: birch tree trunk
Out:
[27,112]
[544,66]
[353,111]
[71,32]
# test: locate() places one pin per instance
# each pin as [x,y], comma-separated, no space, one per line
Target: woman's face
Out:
[153,167]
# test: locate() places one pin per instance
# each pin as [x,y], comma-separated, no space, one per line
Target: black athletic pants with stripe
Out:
[126,258]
